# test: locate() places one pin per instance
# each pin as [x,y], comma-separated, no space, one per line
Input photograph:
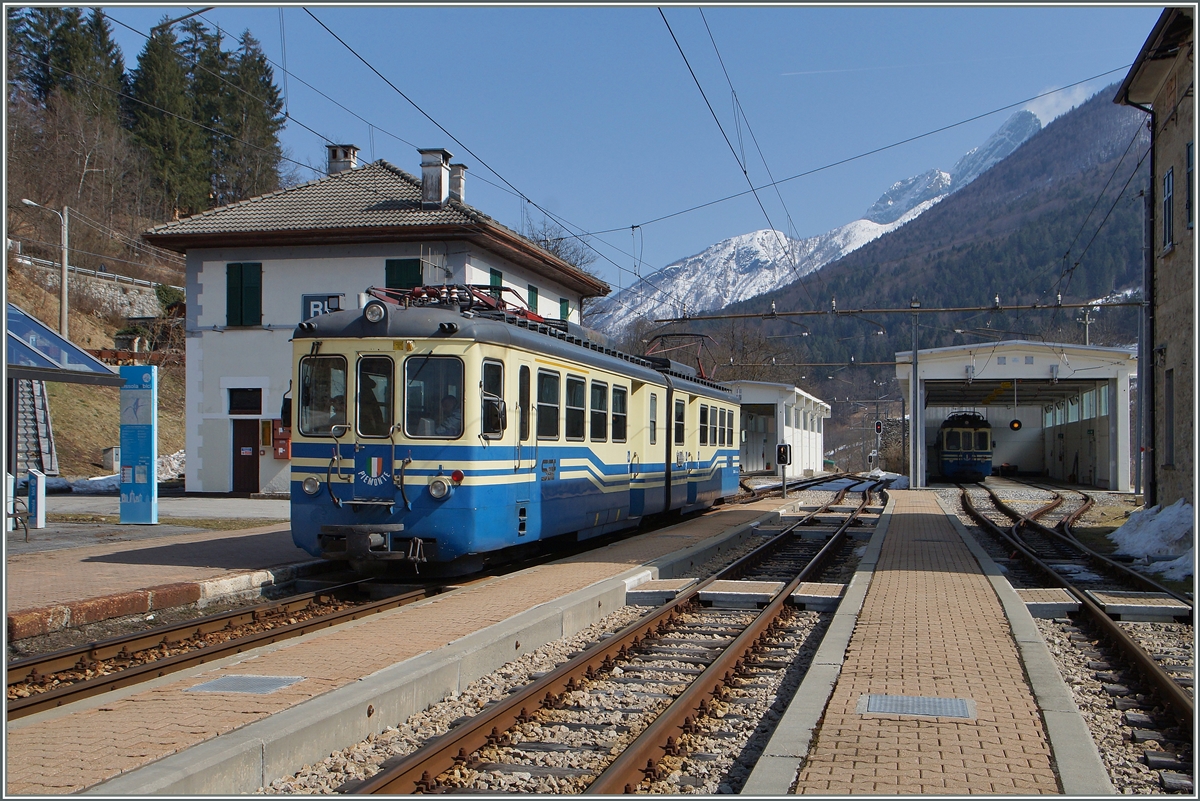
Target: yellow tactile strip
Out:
[930,625]
[69,753]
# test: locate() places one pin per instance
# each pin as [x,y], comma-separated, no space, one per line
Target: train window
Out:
[704,424]
[680,411]
[433,396]
[322,394]
[982,442]
[729,428]
[523,400]
[599,418]
[953,440]
[547,405]
[374,398]
[619,413]
[653,418]
[576,407]
[493,396]
[712,425]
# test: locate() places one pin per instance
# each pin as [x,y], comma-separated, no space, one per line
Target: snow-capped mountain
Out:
[743,266]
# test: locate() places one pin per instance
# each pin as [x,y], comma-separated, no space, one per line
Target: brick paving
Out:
[84,748]
[930,626]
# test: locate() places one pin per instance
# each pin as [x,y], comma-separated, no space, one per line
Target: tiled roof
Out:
[365,204]
[377,195]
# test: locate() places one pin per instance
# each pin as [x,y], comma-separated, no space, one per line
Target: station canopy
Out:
[36,352]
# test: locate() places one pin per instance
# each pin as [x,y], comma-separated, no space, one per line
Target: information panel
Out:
[139,444]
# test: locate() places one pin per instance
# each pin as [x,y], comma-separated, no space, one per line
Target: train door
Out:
[681,485]
[639,438]
[528,490]
[374,414]
[692,453]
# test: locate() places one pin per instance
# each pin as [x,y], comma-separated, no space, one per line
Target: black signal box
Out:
[783,454]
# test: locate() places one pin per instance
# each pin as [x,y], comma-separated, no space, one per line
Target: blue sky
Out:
[592,114]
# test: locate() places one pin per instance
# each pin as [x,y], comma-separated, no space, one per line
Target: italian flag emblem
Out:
[375,468]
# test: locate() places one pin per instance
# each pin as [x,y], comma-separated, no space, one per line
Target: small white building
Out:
[258,268]
[777,414]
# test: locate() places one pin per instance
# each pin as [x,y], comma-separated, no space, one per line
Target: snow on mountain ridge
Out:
[747,265]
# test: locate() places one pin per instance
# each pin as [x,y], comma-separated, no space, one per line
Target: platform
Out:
[355,679]
[920,685]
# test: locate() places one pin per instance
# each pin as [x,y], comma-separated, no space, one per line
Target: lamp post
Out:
[62,281]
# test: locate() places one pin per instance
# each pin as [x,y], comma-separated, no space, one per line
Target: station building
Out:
[1161,83]
[775,414]
[258,268]
[1071,402]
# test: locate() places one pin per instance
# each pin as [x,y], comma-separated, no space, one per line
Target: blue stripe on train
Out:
[484,517]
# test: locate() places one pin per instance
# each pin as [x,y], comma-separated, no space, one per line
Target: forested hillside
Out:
[1062,214]
[193,125]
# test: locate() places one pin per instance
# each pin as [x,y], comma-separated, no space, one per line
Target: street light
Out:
[62,281]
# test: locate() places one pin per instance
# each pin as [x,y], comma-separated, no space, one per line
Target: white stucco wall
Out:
[220,358]
[807,439]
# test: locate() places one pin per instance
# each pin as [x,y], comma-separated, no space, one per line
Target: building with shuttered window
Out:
[257,268]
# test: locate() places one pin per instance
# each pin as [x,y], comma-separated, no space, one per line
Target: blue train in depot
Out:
[964,447]
[440,428]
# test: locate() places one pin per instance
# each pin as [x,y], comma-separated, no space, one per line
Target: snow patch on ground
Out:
[897,481]
[169,467]
[1159,532]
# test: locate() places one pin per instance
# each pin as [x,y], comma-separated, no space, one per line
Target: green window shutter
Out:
[564,309]
[497,281]
[233,294]
[252,294]
[403,273]
[533,299]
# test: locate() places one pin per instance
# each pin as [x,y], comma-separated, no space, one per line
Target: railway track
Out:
[628,712]
[52,680]
[1148,686]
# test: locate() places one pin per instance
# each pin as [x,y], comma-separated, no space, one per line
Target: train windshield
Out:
[982,441]
[375,396]
[433,397]
[322,395]
[953,440]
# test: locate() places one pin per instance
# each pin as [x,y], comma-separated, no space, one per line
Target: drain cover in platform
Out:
[259,685]
[916,705]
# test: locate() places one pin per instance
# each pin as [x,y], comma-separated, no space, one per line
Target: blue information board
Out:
[139,444]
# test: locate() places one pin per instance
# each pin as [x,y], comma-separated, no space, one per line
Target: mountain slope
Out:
[1016,232]
[743,266]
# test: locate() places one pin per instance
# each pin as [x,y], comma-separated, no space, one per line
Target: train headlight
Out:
[374,311]
[311,485]
[440,487]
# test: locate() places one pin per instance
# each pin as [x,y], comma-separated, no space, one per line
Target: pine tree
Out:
[253,117]
[104,67]
[164,127]
[206,68]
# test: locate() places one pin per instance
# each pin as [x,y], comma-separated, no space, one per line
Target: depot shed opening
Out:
[1071,404]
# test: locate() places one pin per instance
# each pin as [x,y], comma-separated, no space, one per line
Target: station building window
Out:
[243,294]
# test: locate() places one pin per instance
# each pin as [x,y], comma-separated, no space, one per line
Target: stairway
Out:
[35,434]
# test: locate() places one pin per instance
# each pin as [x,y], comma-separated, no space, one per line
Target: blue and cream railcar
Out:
[442,427]
[964,445]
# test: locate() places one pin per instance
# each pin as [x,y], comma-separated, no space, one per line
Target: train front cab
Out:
[965,454]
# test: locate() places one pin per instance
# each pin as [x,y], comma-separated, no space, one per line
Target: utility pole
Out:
[62,281]
[916,441]
[1087,326]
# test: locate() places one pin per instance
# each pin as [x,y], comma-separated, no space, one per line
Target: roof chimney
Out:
[458,177]
[435,177]
[342,158]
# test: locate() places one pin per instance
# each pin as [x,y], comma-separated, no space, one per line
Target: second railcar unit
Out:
[440,427]
[964,446]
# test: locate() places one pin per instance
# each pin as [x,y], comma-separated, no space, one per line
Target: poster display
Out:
[139,444]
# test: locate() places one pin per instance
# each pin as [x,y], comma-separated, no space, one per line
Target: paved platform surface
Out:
[931,626]
[66,751]
[71,573]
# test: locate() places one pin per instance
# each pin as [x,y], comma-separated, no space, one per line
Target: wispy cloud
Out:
[1055,105]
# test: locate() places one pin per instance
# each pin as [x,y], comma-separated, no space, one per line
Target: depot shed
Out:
[1072,402]
[775,414]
